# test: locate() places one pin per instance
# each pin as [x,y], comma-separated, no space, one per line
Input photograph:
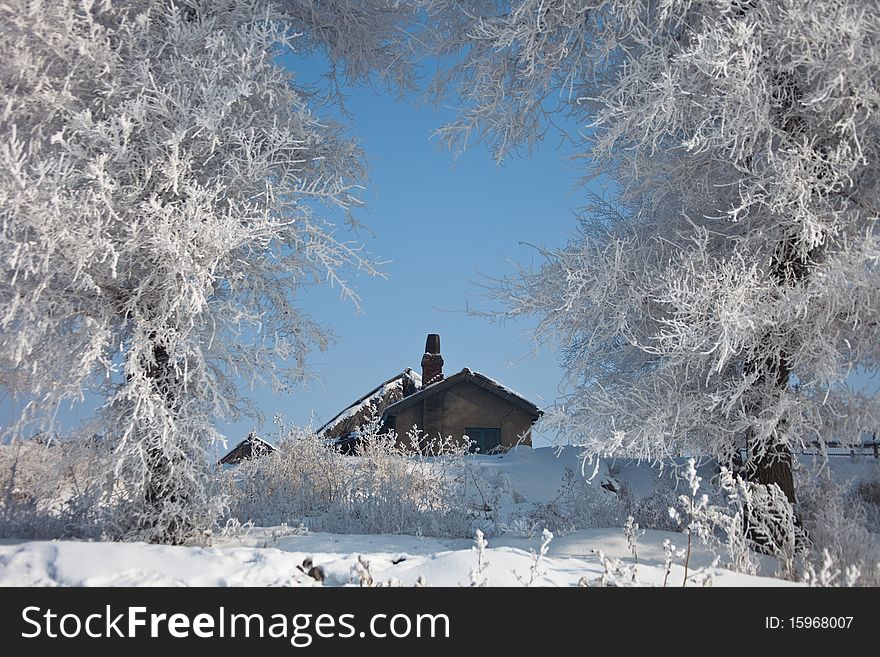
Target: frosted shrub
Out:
[837,526]
[758,519]
[419,486]
[301,479]
[520,526]
[743,518]
[414,485]
[53,489]
[825,575]
[867,494]
[652,510]
[582,503]
[579,504]
[670,554]
[234,528]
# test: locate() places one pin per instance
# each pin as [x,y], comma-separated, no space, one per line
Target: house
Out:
[249,448]
[467,403]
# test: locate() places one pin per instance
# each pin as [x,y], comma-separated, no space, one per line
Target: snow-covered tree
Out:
[164,192]
[721,294]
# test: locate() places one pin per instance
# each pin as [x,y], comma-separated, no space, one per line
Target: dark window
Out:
[483,440]
[389,423]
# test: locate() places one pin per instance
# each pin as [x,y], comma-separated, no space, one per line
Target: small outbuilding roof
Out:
[251,447]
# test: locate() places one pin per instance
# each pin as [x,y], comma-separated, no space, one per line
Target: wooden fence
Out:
[869,448]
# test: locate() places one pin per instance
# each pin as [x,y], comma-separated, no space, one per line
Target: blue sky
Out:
[444,224]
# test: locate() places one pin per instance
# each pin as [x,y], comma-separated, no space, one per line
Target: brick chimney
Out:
[432,361]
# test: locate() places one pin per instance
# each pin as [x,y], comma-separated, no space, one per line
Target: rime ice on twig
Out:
[165,191]
[719,294]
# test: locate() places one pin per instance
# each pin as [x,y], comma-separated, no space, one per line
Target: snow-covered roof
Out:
[251,447]
[472,377]
[373,403]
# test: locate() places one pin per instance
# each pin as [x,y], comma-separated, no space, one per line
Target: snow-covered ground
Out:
[395,559]
[274,556]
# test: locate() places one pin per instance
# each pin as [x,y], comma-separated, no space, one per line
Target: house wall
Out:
[450,412]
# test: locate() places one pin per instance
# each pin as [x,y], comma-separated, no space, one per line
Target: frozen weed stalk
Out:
[478,574]
[536,571]
[632,533]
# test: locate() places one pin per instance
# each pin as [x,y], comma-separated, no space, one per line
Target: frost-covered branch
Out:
[719,296]
[166,189]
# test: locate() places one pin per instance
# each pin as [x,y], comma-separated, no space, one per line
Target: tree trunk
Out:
[774,467]
[770,463]
[161,495]
[789,268]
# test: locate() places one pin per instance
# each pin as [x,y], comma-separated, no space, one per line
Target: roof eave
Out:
[477,379]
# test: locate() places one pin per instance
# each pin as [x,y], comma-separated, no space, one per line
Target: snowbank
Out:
[521,479]
[399,559]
